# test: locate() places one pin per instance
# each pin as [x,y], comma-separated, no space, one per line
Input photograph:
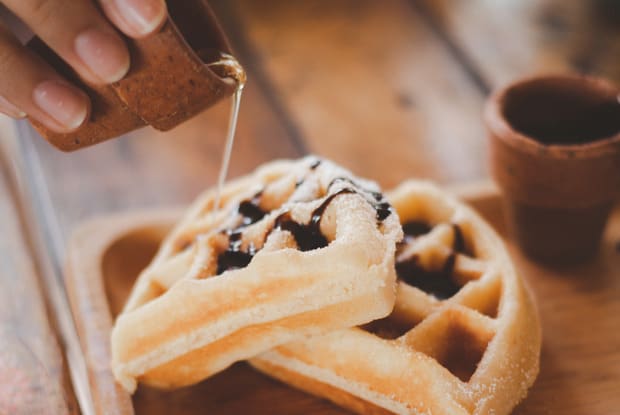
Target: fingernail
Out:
[144,16]
[64,103]
[9,109]
[104,54]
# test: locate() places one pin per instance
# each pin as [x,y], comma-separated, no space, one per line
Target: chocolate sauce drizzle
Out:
[234,257]
[415,229]
[439,283]
[381,206]
[229,260]
[250,212]
[307,236]
[315,164]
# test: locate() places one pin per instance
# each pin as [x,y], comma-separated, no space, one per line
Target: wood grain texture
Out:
[33,376]
[93,298]
[580,367]
[503,40]
[369,85]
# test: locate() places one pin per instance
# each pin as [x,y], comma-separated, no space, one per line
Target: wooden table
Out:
[390,89]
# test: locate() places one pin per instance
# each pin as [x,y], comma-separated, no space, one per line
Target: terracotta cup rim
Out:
[187,39]
[496,121]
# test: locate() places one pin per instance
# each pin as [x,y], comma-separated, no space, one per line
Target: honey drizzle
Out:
[231,69]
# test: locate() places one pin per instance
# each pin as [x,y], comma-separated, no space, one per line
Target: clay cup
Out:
[555,153]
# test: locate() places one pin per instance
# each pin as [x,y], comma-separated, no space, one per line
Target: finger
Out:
[136,18]
[79,34]
[31,86]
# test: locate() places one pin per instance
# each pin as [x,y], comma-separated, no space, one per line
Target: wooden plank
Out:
[506,40]
[33,375]
[369,85]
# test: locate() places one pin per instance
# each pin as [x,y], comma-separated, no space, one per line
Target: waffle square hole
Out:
[462,352]
[434,271]
[390,327]
[454,341]
[440,283]
[485,298]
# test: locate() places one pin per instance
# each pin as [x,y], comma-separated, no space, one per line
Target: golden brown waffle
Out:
[298,248]
[464,336]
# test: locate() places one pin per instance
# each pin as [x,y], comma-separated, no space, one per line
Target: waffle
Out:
[296,249]
[464,336]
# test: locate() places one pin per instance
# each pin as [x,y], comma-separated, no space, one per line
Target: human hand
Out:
[80,34]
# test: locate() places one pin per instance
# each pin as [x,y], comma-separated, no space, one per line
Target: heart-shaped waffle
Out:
[464,336]
[298,248]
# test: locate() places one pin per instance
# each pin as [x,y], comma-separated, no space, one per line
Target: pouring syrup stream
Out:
[231,68]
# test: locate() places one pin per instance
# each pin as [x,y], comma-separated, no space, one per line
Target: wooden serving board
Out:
[579,308]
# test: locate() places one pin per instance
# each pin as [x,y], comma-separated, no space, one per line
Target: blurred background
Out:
[390,89]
